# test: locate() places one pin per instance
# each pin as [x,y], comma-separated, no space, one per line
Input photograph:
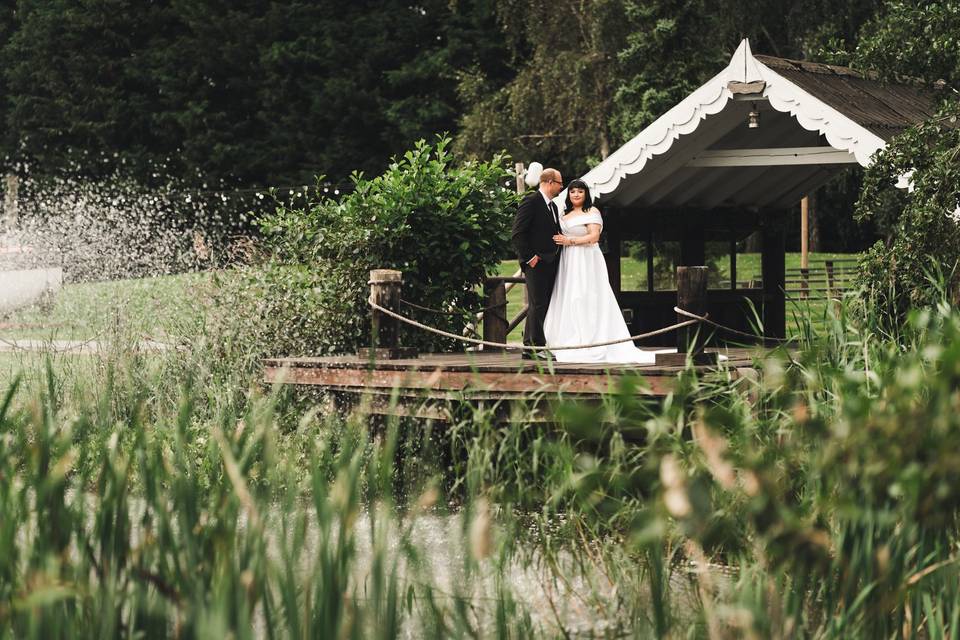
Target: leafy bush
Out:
[444,225]
[922,231]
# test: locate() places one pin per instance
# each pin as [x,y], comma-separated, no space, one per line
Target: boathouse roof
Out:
[810,121]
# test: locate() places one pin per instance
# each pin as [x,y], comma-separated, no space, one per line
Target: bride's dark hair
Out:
[587,200]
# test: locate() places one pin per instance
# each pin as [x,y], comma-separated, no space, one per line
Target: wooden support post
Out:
[733,263]
[804,233]
[520,174]
[693,247]
[651,285]
[611,230]
[385,286]
[804,247]
[495,313]
[773,268]
[692,297]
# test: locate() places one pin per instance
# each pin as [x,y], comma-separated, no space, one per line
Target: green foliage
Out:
[556,106]
[256,92]
[444,225]
[827,485]
[669,52]
[913,40]
[819,498]
[922,236]
[79,78]
[119,520]
[588,76]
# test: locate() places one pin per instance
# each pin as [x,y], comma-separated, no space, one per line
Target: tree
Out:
[246,92]
[558,105]
[920,227]
[590,74]
[913,40]
[671,50]
[74,78]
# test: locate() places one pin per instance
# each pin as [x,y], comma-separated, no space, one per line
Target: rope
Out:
[455,312]
[707,320]
[503,345]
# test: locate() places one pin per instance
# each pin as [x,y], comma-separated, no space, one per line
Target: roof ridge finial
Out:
[743,66]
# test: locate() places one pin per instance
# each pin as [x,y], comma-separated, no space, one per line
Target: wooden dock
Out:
[425,385]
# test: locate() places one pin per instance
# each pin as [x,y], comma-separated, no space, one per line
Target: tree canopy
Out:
[917,260]
[261,92]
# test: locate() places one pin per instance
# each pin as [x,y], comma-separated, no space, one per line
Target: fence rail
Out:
[824,281]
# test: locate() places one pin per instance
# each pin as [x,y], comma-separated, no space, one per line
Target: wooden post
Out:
[651,285]
[773,268]
[385,286]
[611,230]
[804,233]
[692,297]
[829,265]
[521,185]
[495,313]
[733,263]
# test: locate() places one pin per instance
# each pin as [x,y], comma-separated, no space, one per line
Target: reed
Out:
[162,495]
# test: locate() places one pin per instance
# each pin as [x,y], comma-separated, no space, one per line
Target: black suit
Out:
[534,226]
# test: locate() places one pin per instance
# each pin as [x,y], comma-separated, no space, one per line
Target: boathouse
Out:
[733,158]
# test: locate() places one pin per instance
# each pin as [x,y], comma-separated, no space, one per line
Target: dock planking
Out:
[477,376]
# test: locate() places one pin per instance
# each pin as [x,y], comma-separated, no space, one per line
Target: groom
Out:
[536,222]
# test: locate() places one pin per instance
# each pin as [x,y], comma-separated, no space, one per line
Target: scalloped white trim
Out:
[656,139]
[814,115]
[711,98]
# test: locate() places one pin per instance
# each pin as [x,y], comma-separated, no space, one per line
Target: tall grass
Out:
[118,521]
[160,495]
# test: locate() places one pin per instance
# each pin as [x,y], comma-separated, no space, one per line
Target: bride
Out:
[583,309]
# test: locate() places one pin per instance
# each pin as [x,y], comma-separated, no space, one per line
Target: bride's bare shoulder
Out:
[595,211]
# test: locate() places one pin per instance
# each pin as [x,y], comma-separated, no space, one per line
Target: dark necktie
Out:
[553,210]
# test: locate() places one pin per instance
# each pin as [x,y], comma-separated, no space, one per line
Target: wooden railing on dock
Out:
[496,325]
[691,296]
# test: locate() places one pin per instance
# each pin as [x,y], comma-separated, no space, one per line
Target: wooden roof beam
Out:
[730,191]
[792,196]
[706,181]
[682,178]
[660,167]
[772,157]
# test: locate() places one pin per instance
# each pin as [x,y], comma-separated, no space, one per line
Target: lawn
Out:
[154,307]
[83,310]
[634,277]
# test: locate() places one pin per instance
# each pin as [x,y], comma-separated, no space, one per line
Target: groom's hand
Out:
[534,261]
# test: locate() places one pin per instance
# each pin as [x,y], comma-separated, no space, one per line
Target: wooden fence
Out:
[822,280]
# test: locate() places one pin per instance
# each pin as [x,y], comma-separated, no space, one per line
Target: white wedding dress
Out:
[583,308]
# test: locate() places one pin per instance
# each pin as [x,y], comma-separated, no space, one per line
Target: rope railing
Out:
[452,312]
[504,345]
[385,285]
[706,320]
